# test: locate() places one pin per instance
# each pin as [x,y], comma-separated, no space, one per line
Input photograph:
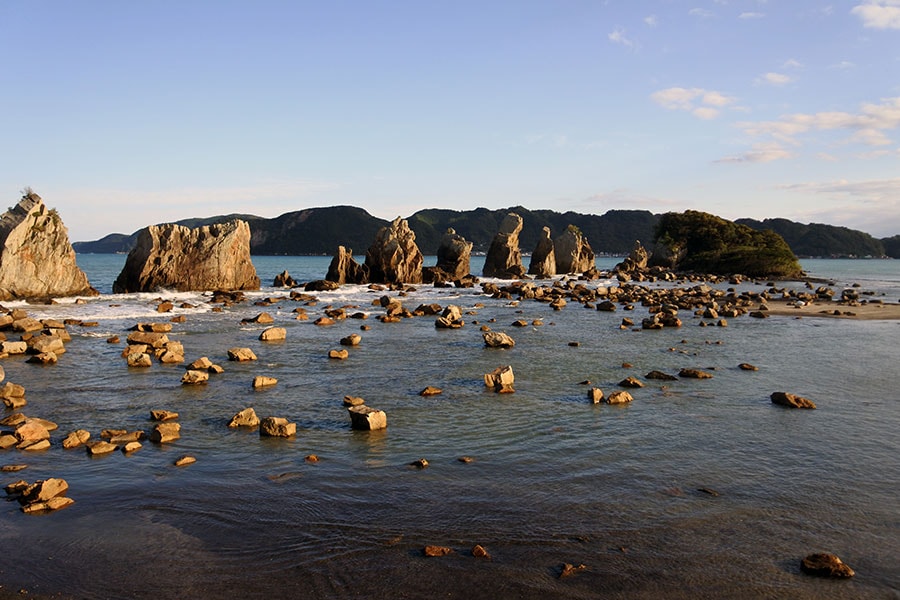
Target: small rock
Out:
[595,395]
[694,374]
[367,418]
[825,565]
[351,340]
[478,551]
[570,569]
[241,354]
[353,401]
[245,418]
[263,381]
[419,464]
[496,339]
[431,391]
[465,459]
[13,468]
[53,504]
[163,415]
[434,551]
[163,433]
[184,460]
[660,376]
[311,458]
[631,382]
[619,397]
[273,334]
[277,427]
[193,377]
[500,380]
[791,400]
[341,354]
[131,447]
[99,447]
[747,367]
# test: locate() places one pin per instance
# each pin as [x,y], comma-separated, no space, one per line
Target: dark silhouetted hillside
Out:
[817,239]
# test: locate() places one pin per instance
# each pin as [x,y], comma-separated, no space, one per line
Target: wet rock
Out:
[338,354]
[496,339]
[351,340]
[825,565]
[631,382]
[747,367]
[277,427]
[619,397]
[504,259]
[353,401]
[263,381]
[128,436]
[607,306]
[451,318]
[436,551]
[262,318]
[573,252]
[366,418]
[10,347]
[31,431]
[100,447]
[694,374]
[184,461]
[431,391]
[163,433]
[321,285]
[211,257]
[284,279]
[149,338]
[244,418]
[323,321]
[163,415]
[660,376]
[273,334]
[43,490]
[500,380]
[791,400]
[51,505]
[569,569]
[130,447]
[44,358]
[420,463]
[139,360]
[595,395]
[478,551]
[453,256]
[241,354]
[192,377]
[13,395]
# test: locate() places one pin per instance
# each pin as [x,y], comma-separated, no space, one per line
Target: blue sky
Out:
[125,114]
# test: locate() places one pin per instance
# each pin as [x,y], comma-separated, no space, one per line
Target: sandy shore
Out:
[834,310]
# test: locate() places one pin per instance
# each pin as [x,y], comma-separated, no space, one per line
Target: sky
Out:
[126,114]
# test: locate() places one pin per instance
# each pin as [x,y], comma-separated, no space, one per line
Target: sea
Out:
[696,489]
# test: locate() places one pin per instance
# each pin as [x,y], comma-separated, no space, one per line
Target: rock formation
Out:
[211,257]
[543,259]
[343,269]
[573,252]
[504,259]
[394,257]
[36,258]
[453,258]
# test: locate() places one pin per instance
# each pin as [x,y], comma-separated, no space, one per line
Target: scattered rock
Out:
[436,551]
[241,354]
[419,464]
[496,339]
[273,334]
[825,565]
[163,415]
[619,397]
[500,380]
[747,367]
[595,395]
[99,447]
[478,551]
[631,382]
[660,376]
[394,257]
[263,381]
[694,374]
[791,400]
[192,377]
[569,569]
[164,433]
[184,461]
[351,340]
[338,354]
[431,391]
[245,418]
[366,418]
[353,401]
[504,259]
[131,447]
[277,427]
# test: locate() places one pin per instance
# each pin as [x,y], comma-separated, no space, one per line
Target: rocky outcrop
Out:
[453,258]
[573,252]
[394,257]
[635,264]
[212,257]
[543,259]
[36,258]
[504,259]
[344,269]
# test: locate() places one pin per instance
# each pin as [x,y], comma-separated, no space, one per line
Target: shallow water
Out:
[554,479]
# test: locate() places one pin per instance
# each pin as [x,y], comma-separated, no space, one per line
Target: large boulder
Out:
[394,256]
[36,258]
[344,269]
[504,259]
[543,259]
[453,255]
[573,252]
[635,262]
[212,257]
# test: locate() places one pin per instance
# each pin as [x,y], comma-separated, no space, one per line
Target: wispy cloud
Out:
[702,103]
[773,79]
[872,205]
[617,36]
[792,64]
[751,15]
[760,153]
[844,64]
[651,20]
[701,12]
[867,126]
[878,14]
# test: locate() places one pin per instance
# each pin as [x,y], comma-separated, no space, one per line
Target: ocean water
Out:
[553,479]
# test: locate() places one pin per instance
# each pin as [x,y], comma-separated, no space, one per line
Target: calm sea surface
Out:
[554,479]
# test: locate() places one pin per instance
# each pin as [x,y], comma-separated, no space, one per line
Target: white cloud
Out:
[651,20]
[618,37]
[867,126]
[774,79]
[872,205]
[792,64]
[844,64]
[688,99]
[879,14]
[760,153]
[700,12]
[751,15]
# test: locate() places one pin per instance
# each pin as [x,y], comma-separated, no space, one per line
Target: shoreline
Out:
[871,311]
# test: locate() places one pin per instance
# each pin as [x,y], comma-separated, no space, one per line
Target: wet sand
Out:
[834,310]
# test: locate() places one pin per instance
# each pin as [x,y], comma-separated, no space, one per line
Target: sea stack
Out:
[394,256]
[504,259]
[174,257]
[36,258]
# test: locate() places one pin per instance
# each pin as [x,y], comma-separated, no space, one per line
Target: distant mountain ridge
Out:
[319,231]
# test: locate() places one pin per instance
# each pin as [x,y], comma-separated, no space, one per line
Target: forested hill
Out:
[816,239]
[321,230]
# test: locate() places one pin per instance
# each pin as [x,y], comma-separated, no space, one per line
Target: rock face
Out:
[636,261]
[504,259]
[543,259]
[573,252]
[344,269]
[36,258]
[394,256]
[453,258]
[212,257]
[791,400]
